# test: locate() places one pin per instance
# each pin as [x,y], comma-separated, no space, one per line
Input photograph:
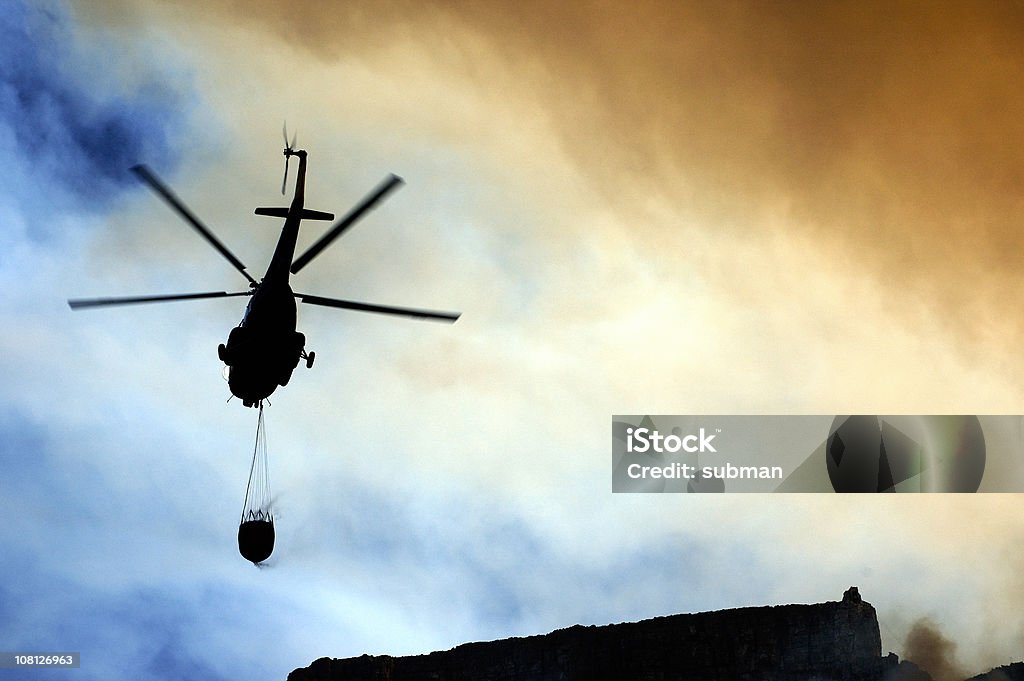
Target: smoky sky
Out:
[74,139]
[886,134]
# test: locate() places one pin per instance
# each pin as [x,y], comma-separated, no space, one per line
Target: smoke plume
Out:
[926,647]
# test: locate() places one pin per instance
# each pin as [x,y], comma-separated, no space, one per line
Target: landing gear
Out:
[300,345]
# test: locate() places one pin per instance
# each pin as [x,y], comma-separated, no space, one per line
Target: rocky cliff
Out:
[1010,672]
[833,640]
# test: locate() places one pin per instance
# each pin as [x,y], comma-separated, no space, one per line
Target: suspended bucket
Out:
[256,539]
[256,527]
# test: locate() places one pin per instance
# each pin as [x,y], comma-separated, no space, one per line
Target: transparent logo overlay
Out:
[945,453]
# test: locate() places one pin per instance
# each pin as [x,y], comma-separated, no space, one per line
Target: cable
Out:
[258,489]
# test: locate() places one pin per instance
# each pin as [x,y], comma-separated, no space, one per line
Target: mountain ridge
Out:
[835,640]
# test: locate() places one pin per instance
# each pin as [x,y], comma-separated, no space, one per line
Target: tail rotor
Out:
[289,150]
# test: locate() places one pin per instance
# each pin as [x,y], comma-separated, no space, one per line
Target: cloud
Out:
[488,570]
[69,132]
[884,134]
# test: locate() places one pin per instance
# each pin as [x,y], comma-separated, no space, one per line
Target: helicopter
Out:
[264,349]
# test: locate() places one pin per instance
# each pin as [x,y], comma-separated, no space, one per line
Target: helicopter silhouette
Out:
[265,348]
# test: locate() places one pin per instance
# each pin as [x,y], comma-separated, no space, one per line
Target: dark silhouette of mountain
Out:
[1010,672]
[834,640]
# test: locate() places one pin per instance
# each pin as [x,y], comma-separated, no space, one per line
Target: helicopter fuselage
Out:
[264,349]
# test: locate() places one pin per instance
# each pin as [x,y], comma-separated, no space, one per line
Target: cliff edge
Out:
[1010,672]
[834,640]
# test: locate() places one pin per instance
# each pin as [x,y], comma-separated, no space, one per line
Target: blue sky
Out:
[433,484]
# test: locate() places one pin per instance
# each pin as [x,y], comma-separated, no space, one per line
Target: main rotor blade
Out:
[344,223]
[79,303]
[383,309]
[174,202]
